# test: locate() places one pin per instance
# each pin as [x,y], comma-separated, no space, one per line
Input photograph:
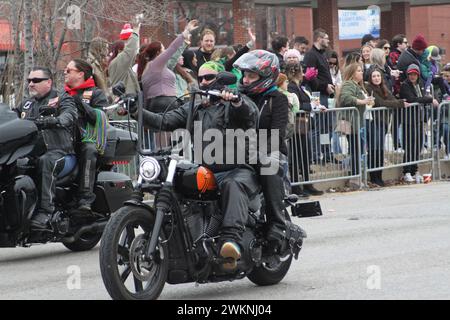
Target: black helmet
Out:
[263,63]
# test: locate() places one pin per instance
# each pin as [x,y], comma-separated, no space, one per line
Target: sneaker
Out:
[408,178]
[230,249]
[399,150]
[447,157]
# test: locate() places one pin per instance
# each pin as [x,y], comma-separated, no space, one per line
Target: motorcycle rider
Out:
[92,122]
[237,182]
[55,138]
[260,71]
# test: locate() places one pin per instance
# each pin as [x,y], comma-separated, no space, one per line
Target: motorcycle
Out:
[175,239]
[19,195]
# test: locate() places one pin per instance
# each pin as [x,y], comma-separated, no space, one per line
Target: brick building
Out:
[230,19]
[300,17]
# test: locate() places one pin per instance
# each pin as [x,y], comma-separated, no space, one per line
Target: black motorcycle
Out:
[19,195]
[175,239]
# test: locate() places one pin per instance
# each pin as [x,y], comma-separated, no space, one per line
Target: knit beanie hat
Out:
[214,66]
[434,53]
[292,53]
[413,68]
[419,43]
[126,32]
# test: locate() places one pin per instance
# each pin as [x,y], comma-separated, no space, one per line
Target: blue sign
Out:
[354,24]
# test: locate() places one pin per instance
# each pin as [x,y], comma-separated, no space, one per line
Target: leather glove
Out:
[311,73]
[46,122]
[85,109]
[131,103]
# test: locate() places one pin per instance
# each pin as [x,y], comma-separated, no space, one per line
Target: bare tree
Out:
[42,26]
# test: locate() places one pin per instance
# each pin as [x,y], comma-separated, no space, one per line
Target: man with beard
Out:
[55,115]
[203,54]
[316,58]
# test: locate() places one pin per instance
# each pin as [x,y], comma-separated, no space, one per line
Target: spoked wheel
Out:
[273,269]
[127,273]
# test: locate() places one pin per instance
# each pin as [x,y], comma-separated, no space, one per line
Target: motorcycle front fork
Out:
[163,204]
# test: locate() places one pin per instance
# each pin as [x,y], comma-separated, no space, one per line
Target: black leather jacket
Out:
[61,137]
[220,116]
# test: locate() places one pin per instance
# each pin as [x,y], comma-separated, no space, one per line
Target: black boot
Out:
[376,178]
[88,165]
[309,189]
[298,190]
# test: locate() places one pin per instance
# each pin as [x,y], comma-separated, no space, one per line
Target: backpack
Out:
[290,126]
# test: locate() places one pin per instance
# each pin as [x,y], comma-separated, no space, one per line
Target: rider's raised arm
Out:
[172,120]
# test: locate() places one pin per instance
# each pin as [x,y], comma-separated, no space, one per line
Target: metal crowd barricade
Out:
[325,147]
[397,137]
[443,135]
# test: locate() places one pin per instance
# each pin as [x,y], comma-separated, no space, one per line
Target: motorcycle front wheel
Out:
[126,272]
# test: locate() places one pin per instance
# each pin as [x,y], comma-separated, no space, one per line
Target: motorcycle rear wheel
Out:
[85,243]
[267,275]
[121,256]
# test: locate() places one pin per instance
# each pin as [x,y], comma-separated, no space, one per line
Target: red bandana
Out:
[89,83]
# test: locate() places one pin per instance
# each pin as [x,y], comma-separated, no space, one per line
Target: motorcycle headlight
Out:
[149,169]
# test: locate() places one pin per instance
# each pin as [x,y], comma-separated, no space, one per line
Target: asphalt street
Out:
[392,243]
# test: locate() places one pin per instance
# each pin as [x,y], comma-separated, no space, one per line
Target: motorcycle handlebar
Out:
[120,103]
[215,93]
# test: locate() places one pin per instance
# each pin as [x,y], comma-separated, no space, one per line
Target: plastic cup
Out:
[427,178]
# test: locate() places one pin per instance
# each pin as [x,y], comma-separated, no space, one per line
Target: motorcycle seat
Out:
[69,172]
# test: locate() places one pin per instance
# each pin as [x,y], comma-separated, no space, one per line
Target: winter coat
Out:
[120,68]
[316,58]
[350,92]
[61,137]
[220,116]
[274,108]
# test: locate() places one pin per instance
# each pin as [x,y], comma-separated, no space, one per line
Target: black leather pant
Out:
[273,190]
[50,164]
[237,187]
[88,165]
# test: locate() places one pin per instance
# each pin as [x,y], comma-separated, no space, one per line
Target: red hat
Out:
[413,68]
[419,43]
[126,31]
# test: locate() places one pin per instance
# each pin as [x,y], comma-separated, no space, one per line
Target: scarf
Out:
[96,134]
[89,83]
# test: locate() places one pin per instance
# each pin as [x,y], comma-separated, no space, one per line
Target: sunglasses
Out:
[207,77]
[386,48]
[37,80]
[69,70]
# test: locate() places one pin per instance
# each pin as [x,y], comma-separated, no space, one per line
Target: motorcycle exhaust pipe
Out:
[96,227]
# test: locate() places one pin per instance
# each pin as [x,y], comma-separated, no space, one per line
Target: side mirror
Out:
[119,89]
[226,78]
